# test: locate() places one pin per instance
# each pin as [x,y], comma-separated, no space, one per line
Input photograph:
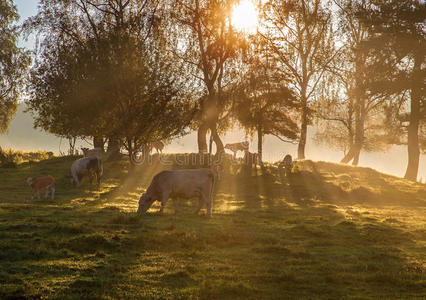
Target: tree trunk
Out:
[413,127]
[211,144]
[71,142]
[260,144]
[357,152]
[303,131]
[98,142]
[113,148]
[216,138]
[201,137]
[349,156]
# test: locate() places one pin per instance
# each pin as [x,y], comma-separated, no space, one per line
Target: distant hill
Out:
[23,136]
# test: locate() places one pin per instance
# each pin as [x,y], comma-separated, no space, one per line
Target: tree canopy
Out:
[13,63]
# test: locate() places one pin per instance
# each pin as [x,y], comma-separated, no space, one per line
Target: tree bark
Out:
[201,138]
[357,152]
[349,156]
[260,144]
[98,142]
[303,130]
[413,127]
[211,144]
[216,138]
[113,148]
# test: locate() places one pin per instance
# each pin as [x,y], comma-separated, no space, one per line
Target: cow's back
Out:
[183,182]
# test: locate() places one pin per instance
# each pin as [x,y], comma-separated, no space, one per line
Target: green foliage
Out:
[397,44]
[263,101]
[328,231]
[13,63]
[111,78]
[12,158]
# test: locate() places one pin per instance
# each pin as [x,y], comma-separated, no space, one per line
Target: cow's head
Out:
[85,151]
[145,203]
[29,180]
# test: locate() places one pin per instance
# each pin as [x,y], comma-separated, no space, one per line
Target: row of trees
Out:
[132,72]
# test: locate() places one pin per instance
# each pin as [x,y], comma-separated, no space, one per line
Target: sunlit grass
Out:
[328,231]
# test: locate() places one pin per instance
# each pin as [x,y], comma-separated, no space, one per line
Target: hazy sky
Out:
[392,162]
[26,8]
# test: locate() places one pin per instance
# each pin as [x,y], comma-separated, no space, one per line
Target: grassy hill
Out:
[328,231]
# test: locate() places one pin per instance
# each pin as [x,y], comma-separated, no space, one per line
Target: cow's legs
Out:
[200,204]
[163,200]
[98,179]
[53,192]
[46,194]
[208,200]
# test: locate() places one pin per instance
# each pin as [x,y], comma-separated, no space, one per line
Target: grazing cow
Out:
[86,166]
[95,152]
[37,184]
[251,159]
[235,147]
[179,183]
[287,164]
[158,145]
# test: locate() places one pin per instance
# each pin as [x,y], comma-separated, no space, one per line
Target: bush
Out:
[12,158]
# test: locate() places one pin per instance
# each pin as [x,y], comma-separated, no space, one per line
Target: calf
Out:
[37,184]
[95,152]
[87,166]
[235,147]
[179,183]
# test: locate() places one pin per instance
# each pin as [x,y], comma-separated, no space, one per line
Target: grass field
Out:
[327,232]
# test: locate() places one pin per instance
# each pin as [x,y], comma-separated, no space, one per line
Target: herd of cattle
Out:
[173,184]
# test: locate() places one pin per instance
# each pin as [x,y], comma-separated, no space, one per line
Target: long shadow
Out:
[319,252]
[306,250]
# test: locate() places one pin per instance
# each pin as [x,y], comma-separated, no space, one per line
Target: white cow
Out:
[92,152]
[86,166]
[179,183]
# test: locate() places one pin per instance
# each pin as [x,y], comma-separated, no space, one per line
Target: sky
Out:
[26,8]
[392,162]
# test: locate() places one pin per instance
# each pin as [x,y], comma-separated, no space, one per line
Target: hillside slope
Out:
[327,231]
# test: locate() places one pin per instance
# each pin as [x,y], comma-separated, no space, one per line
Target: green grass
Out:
[327,232]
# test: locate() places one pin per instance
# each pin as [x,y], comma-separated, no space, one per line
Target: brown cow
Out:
[37,184]
[235,147]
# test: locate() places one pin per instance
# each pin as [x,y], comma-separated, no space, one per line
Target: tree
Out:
[299,34]
[400,49]
[111,78]
[13,63]
[264,104]
[337,116]
[206,43]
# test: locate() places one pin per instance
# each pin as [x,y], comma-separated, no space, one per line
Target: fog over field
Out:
[22,136]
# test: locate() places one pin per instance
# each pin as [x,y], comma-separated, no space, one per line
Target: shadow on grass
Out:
[281,239]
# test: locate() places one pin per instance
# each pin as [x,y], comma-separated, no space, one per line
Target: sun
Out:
[245,16]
